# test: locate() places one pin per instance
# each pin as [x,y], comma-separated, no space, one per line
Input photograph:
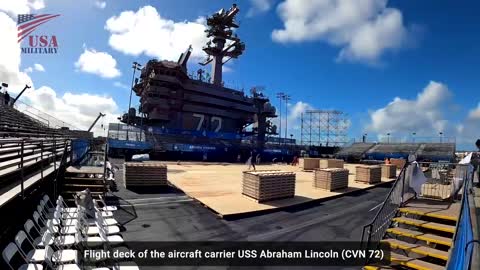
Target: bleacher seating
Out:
[436,151]
[16,124]
[355,151]
[392,150]
[380,151]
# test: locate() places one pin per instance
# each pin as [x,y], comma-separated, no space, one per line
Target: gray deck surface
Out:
[169,215]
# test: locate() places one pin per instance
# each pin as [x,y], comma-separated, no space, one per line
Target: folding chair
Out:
[98,209]
[30,252]
[12,256]
[126,266]
[66,257]
[61,202]
[33,233]
[104,221]
[60,241]
[47,201]
[105,206]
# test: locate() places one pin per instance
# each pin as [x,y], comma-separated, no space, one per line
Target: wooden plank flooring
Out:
[219,186]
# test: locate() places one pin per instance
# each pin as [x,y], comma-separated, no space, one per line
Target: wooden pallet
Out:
[330,179]
[368,174]
[389,170]
[309,163]
[268,185]
[145,174]
[331,163]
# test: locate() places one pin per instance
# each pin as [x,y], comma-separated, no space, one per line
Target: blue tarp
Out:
[197,133]
[79,148]
[123,144]
[460,256]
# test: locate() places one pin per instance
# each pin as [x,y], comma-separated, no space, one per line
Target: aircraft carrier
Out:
[428,224]
[198,115]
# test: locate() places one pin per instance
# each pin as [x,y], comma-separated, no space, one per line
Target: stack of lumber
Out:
[389,170]
[145,174]
[268,185]
[368,174]
[399,162]
[331,163]
[310,164]
[330,178]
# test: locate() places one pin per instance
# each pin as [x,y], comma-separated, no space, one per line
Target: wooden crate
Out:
[330,178]
[310,163]
[389,170]
[368,174]
[268,185]
[331,163]
[146,174]
[399,162]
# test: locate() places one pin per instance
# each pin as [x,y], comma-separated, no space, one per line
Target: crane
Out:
[19,95]
[96,120]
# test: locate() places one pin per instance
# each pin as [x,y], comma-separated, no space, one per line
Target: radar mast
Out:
[224,43]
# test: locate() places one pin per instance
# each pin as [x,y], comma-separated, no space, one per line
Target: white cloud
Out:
[469,129]
[79,109]
[38,67]
[15,7]
[296,110]
[293,121]
[424,115]
[363,29]
[99,63]
[475,113]
[227,69]
[121,85]
[259,6]
[131,33]
[10,56]
[100,4]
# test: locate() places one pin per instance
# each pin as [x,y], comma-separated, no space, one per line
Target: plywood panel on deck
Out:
[219,186]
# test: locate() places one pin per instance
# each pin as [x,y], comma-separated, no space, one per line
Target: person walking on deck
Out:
[251,162]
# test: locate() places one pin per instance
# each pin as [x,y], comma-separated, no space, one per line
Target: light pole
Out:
[413,136]
[136,66]
[291,142]
[388,137]
[440,133]
[364,139]
[280,96]
[286,98]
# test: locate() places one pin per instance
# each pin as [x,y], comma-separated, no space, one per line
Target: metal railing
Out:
[461,255]
[45,118]
[105,158]
[23,154]
[398,195]
[61,168]
[414,139]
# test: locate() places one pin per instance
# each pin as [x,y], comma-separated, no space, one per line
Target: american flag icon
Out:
[27,23]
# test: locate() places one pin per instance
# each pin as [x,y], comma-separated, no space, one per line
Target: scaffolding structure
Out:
[324,128]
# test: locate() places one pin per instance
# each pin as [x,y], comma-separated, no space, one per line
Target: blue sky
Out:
[357,58]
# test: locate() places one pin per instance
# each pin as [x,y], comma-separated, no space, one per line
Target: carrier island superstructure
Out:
[181,113]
